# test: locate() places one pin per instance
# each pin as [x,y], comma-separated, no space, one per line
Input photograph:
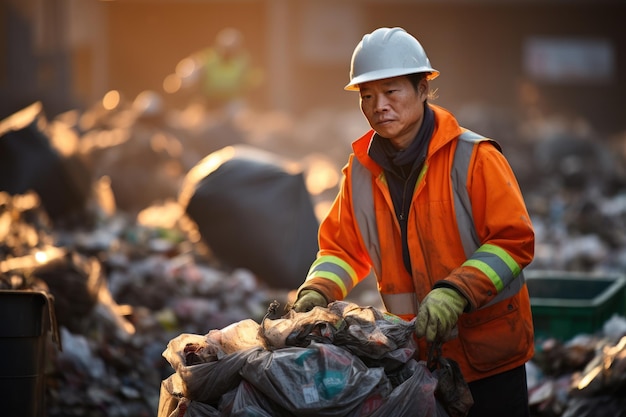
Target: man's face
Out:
[394,108]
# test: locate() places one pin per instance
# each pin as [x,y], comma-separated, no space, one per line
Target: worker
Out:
[227,74]
[435,212]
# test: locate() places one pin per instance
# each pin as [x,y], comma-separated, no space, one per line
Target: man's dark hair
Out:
[416,78]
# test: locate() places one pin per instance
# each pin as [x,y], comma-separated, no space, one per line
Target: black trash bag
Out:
[414,397]
[253,214]
[377,337]
[29,161]
[322,380]
[195,409]
[206,372]
[207,382]
[452,391]
[250,402]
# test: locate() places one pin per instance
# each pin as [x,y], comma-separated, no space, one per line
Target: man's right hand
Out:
[307,299]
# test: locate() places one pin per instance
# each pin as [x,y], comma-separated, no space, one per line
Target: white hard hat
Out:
[386,53]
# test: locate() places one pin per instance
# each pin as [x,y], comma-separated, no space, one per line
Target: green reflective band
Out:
[338,262]
[487,270]
[346,267]
[317,262]
[503,255]
[334,269]
[334,278]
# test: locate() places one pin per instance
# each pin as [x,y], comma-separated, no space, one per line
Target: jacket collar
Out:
[445,130]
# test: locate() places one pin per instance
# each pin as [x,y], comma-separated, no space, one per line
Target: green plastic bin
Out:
[24,319]
[566,304]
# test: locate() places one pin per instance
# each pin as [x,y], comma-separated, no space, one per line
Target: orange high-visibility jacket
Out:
[477,200]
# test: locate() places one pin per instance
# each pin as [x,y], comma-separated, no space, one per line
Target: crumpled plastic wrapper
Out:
[371,334]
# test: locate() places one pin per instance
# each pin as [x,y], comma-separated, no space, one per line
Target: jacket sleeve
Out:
[341,262]
[503,226]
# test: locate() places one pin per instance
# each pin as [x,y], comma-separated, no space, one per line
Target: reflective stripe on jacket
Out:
[468,228]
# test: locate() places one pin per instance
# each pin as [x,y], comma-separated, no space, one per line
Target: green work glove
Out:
[438,314]
[309,299]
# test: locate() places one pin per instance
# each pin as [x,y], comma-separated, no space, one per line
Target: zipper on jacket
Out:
[401,215]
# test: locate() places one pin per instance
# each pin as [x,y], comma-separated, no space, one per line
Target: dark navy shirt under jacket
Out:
[401,168]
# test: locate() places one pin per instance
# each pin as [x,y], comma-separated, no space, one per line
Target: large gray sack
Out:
[253,213]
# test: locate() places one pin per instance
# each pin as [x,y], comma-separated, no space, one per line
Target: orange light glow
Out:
[111,100]
[186,67]
[172,83]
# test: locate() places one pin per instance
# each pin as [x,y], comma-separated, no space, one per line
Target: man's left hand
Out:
[438,314]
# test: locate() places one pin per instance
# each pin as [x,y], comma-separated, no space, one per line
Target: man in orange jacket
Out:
[436,212]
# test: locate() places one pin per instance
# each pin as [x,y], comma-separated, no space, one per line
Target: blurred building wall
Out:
[478,47]
[70,52]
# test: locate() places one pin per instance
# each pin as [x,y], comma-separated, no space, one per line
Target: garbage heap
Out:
[343,360]
[121,290]
[580,377]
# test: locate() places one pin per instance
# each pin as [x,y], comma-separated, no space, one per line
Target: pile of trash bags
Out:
[342,360]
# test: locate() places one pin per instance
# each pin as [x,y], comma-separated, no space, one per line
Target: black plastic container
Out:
[24,320]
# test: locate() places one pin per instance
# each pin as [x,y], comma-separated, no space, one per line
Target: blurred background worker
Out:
[436,212]
[224,73]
